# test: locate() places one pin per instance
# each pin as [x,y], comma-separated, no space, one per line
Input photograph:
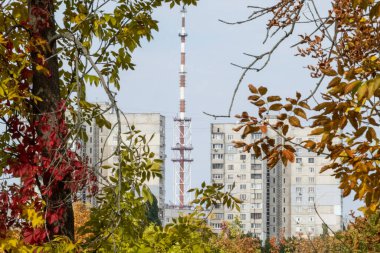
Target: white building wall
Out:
[102,143]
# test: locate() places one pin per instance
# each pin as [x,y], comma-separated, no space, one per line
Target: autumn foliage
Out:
[44,164]
[342,109]
[81,216]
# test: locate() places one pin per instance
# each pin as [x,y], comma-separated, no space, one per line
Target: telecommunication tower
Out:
[182,133]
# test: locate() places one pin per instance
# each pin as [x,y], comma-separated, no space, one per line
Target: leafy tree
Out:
[343,107]
[46,61]
[81,216]
[153,211]
[232,239]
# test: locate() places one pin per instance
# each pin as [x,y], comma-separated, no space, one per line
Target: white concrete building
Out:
[279,201]
[174,211]
[102,143]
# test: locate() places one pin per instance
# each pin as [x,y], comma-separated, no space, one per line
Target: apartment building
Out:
[102,142]
[279,201]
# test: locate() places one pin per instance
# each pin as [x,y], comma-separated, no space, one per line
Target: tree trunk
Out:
[46,86]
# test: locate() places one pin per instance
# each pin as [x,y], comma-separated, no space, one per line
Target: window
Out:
[298,209]
[299,170]
[217,146]
[310,209]
[256,186]
[298,180]
[256,195]
[217,165]
[298,151]
[243,176]
[101,139]
[299,190]
[311,189]
[311,219]
[242,166]
[90,150]
[256,205]
[243,216]
[230,148]
[229,187]
[298,160]
[218,216]
[256,136]
[243,196]
[218,206]
[230,137]
[230,176]
[255,225]
[217,156]
[230,167]
[274,190]
[311,179]
[255,215]
[217,136]
[311,160]
[230,216]
[90,139]
[243,187]
[256,166]
[255,176]
[230,157]
[217,176]
[298,199]
[90,129]
[311,199]
[274,200]
[243,157]
[284,212]
[298,220]
[216,225]
[311,170]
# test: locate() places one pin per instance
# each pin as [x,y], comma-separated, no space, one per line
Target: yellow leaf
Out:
[362,91]
[2,40]
[33,217]
[294,121]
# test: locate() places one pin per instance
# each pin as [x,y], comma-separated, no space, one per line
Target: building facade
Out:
[102,143]
[276,202]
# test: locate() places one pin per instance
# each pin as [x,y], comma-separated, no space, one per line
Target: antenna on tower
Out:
[182,132]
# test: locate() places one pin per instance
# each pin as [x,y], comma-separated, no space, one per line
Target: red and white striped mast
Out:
[182,132]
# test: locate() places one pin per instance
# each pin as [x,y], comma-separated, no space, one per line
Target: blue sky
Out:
[211,47]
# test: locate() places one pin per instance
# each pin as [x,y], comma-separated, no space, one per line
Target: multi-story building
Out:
[175,211]
[276,202]
[102,142]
